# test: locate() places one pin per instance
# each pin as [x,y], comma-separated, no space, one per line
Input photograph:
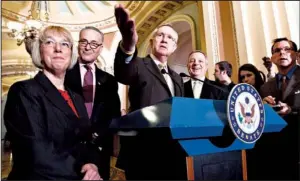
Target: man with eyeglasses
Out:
[277,154]
[99,90]
[148,155]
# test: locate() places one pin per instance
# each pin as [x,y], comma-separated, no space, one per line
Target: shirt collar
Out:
[288,75]
[157,62]
[92,65]
[194,80]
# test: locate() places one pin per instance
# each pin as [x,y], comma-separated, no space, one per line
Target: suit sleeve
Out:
[125,72]
[24,120]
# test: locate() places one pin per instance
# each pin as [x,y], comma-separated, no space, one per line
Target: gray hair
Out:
[92,28]
[36,53]
[169,25]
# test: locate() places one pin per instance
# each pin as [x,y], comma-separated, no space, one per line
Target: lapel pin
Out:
[297,92]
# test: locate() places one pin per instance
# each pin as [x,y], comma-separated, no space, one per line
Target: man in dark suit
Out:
[99,90]
[222,166]
[223,72]
[149,155]
[197,67]
[279,152]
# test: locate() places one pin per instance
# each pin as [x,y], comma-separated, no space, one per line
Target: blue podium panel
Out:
[195,118]
[204,146]
[274,123]
[192,122]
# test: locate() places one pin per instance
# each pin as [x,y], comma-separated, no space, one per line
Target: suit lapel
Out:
[53,95]
[176,82]
[74,74]
[205,90]
[80,108]
[100,81]
[188,89]
[152,67]
[295,81]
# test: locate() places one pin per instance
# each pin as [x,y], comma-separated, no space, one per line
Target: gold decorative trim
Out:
[233,25]
[155,16]
[214,29]
[201,26]
[134,7]
[106,23]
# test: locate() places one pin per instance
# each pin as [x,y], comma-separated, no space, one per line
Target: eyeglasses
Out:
[51,43]
[84,43]
[244,76]
[162,36]
[285,49]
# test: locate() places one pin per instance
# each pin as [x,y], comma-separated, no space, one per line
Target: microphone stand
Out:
[163,71]
[215,86]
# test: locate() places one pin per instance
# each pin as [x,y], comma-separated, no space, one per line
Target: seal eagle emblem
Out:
[246,114]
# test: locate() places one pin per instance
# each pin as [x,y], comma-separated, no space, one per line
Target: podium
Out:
[193,123]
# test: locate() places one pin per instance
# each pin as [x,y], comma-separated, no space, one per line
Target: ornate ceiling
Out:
[75,15]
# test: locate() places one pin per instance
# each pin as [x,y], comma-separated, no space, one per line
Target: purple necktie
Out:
[87,90]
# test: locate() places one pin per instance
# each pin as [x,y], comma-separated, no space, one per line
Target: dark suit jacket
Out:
[207,92]
[45,133]
[147,84]
[106,107]
[150,155]
[217,166]
[279,152]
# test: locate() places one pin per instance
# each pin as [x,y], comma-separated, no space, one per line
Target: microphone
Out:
[215,86]
[163,71]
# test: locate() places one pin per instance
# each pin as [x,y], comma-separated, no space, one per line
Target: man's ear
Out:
[174,47]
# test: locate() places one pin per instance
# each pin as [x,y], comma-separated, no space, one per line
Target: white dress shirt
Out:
[197,87]
[166,76]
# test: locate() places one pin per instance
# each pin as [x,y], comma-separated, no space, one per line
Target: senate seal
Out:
[246,113]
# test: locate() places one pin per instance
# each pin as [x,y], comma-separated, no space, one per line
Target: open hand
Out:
[269,100]
[285,109]
[91,172]
[127,28]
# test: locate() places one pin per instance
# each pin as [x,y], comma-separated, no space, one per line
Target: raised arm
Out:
[125,66]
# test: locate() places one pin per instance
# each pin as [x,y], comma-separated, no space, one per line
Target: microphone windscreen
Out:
[183,74]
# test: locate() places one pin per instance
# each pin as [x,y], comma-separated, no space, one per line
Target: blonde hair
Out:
[36,53]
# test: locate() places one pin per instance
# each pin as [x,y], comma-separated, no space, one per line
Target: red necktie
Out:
[87,90]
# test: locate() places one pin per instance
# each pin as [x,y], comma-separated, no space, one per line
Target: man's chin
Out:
[286,66]
[87,60]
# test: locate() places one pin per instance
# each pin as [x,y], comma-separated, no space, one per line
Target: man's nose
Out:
[88,45]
